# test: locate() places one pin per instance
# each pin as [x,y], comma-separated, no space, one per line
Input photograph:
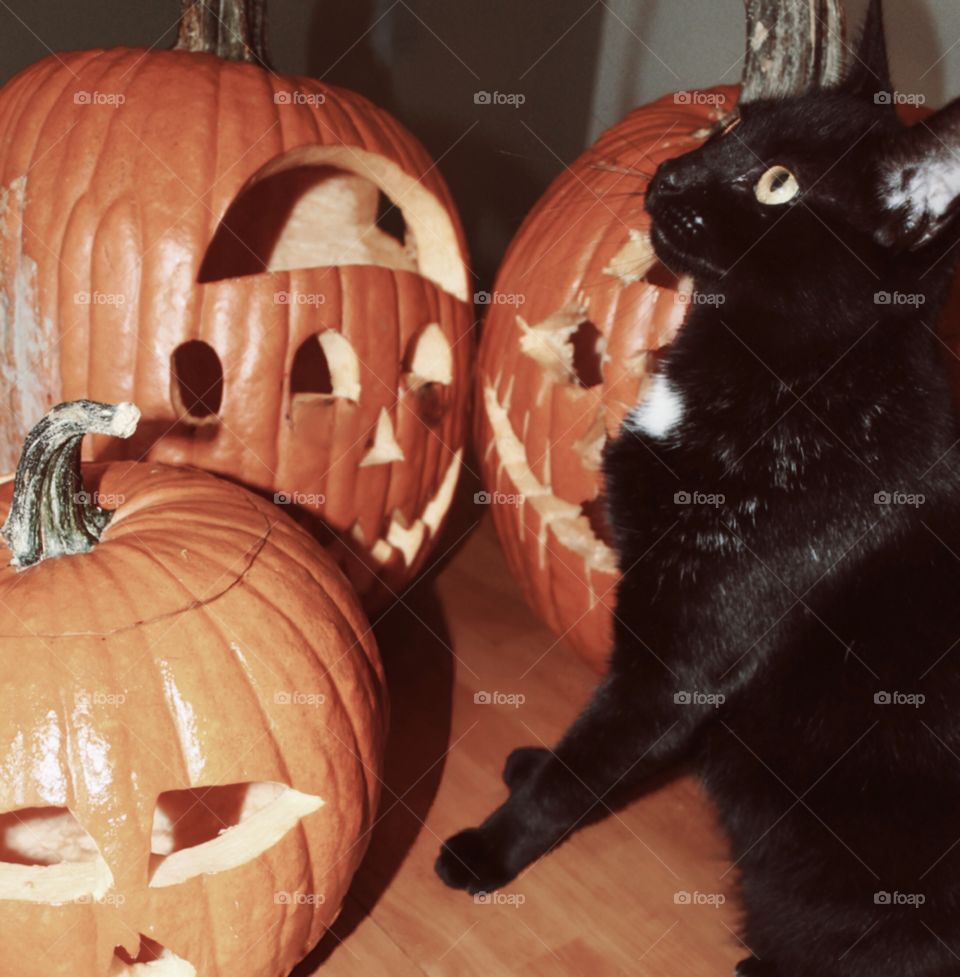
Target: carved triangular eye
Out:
[205,830]
[428,372]
[325,366]
[46,856]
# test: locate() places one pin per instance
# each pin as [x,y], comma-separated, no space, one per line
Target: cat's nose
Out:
[666,182]
[667,177]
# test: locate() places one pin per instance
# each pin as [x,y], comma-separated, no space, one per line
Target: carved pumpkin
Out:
[192,231]
[579,310]
[191,726]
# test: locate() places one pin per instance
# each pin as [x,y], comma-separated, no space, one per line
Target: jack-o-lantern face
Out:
[191,734]
[580,309]
[52,868]
[221,244]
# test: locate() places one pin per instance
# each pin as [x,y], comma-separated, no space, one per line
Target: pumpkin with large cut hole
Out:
[579,308]
[192,720]
[220,243]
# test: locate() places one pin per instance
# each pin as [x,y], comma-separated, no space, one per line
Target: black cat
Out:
[786,507]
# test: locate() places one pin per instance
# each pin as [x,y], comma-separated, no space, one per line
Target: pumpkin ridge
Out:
[239,665]
[372,782]
[166,615]
[81,198]
[339,622]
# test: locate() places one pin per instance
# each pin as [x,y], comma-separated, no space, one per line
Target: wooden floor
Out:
[612,900]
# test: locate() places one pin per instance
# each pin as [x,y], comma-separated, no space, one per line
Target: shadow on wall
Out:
[497,91]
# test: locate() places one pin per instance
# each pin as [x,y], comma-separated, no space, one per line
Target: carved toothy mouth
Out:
[407,536]
[564,520]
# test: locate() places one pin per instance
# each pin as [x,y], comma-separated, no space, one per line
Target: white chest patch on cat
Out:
[660,411]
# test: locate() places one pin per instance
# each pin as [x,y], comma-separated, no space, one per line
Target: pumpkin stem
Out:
[232,29]
[51,513]
[792,47]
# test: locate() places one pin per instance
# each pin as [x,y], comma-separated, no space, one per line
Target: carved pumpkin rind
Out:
[117,168]
[582,255]
[206,640]
[580,267]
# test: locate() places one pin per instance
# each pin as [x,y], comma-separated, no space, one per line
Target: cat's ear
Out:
[868,70]
[919,181]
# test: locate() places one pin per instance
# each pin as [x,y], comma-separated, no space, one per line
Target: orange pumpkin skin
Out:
[581,252]
[116,168]
[172,656]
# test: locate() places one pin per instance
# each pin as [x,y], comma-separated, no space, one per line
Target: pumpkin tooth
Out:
[634,260]
[406,538]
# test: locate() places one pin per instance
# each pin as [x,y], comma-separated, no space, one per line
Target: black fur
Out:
[761,623]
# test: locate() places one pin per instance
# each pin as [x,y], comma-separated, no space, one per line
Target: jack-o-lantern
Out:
[580,310]
[192,231]
[192,720]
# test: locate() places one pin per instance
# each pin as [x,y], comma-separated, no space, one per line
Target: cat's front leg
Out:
[625,735]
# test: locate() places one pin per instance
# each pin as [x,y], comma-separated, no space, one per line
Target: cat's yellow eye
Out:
[777,186]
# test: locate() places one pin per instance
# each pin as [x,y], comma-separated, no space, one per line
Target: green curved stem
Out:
[51,514]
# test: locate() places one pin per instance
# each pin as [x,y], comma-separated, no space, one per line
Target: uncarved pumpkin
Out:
[192,721]
[192,231]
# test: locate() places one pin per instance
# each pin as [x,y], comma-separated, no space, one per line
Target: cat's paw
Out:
[752,967]
[521,763]
[469,860]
